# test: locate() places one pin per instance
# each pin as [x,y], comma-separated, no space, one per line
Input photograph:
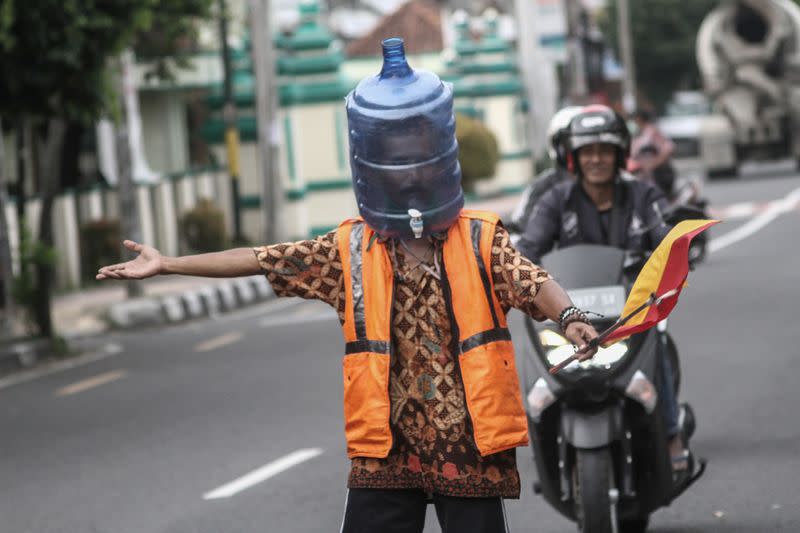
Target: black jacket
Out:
[546,180]
[566,216]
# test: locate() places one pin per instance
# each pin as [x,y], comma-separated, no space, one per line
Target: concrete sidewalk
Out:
[88,313]
[164,299]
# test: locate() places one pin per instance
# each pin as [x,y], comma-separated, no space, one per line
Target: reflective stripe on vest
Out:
[486,360]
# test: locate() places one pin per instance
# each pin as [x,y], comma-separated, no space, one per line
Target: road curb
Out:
[22,354]
[206,301]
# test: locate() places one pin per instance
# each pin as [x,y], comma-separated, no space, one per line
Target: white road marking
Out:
[734,211]
[756,224]
[219,342]
[91,383]
[108,350]
[262,474]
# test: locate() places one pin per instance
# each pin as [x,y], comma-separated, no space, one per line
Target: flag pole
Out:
[597,341]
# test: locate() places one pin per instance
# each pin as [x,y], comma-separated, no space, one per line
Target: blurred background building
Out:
[511,63]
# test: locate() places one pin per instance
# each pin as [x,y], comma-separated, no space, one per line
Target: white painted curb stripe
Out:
[262,474]
[775,210]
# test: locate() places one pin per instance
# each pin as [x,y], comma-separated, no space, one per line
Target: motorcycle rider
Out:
[652,151]
[557,132]
[601,207]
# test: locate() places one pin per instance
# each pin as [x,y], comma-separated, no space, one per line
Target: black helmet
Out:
[599,124]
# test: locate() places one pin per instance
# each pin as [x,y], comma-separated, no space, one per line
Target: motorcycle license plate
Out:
[607,301]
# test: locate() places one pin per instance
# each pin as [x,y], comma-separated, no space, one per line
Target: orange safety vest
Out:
[486,355]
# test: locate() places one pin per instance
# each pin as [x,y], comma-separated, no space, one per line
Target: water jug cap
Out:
[394,59]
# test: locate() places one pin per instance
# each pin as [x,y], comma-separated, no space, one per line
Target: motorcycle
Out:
[684,201]
[596,427]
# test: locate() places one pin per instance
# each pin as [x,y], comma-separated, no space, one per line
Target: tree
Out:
[663,36]
[55,56]
[171,38]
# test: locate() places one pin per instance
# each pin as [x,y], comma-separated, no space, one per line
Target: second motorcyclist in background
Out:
[557,132]
[652,153]
[600,207]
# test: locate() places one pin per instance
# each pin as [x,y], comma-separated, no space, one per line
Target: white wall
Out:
[165,131]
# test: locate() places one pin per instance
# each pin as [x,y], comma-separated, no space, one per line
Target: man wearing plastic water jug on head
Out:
[432,406]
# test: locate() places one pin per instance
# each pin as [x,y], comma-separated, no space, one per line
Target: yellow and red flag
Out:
[664,272]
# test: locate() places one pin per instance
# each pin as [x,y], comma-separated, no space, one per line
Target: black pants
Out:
[403,511]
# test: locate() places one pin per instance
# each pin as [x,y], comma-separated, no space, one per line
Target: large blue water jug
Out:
[403,149]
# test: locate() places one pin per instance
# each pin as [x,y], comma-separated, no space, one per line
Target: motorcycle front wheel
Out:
[637,525]
[592,478]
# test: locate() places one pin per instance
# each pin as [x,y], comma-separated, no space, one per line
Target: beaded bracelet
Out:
[571,314]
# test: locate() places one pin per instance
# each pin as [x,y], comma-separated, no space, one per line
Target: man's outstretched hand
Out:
[147,264]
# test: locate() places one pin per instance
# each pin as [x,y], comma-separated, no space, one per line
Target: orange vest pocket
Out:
[366,405]
[491,386]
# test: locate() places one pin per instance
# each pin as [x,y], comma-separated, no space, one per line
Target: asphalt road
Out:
[148,438]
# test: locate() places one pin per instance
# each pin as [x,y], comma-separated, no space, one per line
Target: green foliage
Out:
[6,18]
[56,53]
[203,228]
[663,36]
[25,290]
[478,152]
[57,62]
[99,245]
[171,37]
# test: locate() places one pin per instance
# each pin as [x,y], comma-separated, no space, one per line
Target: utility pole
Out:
[626,50]
[266,110]
[229,116]
[128,212]
[576,23]
[6,270]
[538,74]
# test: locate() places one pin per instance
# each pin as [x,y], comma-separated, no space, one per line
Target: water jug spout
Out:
[394,59]
[416,223]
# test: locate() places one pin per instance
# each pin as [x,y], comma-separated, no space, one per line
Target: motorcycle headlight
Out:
[557,349]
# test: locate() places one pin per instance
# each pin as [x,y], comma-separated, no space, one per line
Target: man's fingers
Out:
[132,245]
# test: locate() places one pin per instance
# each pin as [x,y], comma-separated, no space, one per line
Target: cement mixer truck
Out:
[748,53]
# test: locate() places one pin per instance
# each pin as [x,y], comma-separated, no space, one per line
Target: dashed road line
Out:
[263,473]
[219,342]
[91,383]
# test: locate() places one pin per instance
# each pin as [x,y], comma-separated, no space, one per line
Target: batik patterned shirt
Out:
[433,447]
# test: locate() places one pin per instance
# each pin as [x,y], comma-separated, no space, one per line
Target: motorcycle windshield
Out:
[585,265]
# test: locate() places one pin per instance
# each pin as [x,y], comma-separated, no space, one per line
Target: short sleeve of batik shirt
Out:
[516,278]
[309,269]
